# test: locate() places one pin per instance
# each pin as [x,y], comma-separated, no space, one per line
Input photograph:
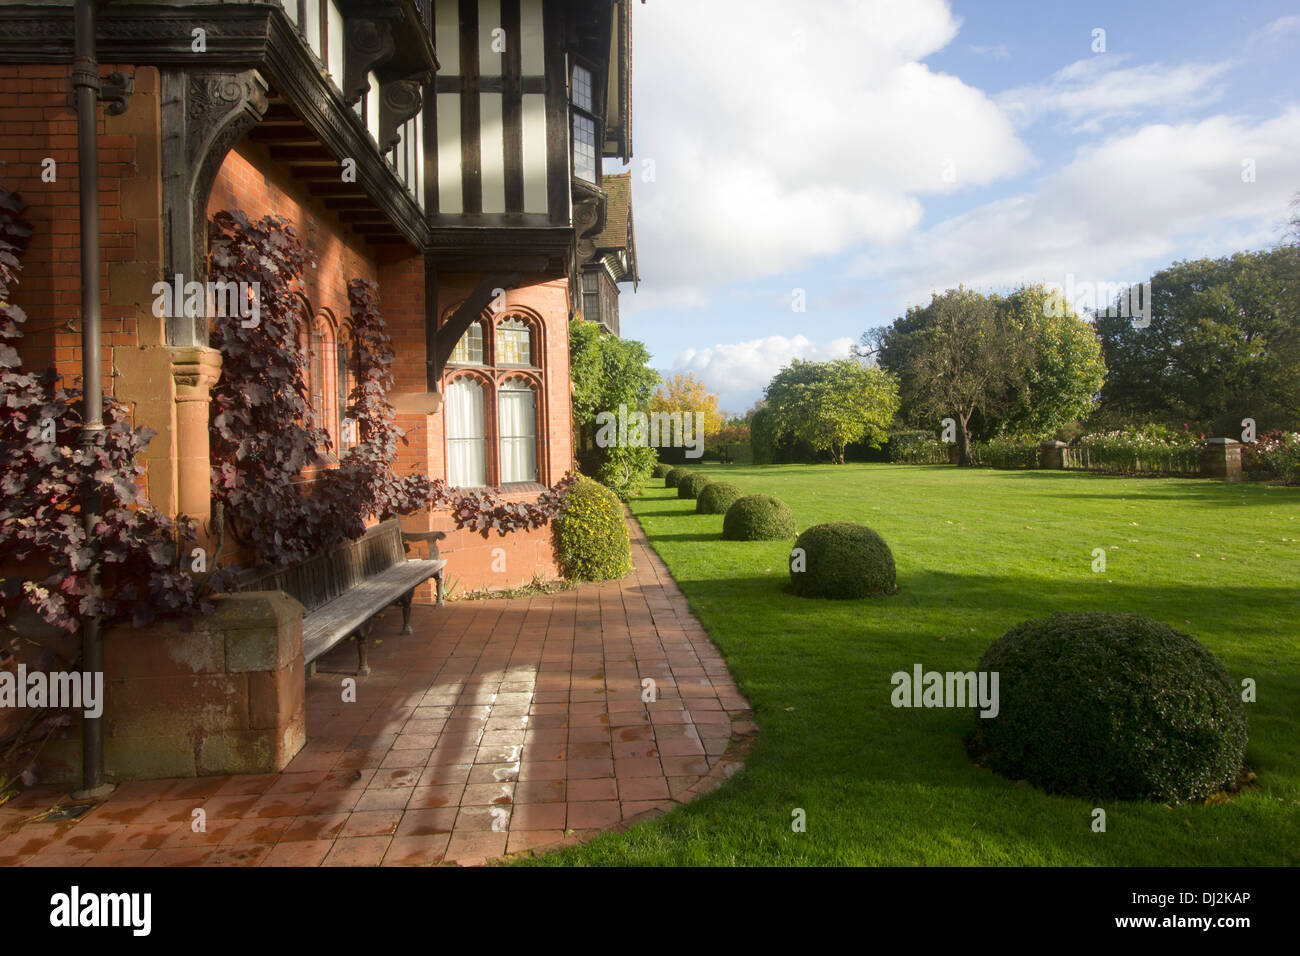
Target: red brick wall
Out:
[38,122]
[258,186]
[251,181]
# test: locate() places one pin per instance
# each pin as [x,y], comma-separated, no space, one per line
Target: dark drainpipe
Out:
[85,84]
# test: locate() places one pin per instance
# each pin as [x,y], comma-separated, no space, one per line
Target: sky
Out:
[804,172]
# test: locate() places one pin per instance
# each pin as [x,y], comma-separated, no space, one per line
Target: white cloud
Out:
[1148,197]
[1279,28]
[1090,91]
[784,132]
[739,371]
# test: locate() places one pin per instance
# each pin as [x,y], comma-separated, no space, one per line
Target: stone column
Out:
[1051,454]
[1221,459]
[195,370]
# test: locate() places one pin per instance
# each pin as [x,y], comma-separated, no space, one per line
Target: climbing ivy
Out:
[265,433]
[45,471]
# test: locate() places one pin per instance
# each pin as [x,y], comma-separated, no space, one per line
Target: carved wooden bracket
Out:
[399,100]
[369,45]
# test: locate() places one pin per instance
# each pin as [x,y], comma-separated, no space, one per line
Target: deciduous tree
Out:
[831,404]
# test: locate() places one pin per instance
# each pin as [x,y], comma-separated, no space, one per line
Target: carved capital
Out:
[195,369]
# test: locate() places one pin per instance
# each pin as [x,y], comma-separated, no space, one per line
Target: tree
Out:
[1063,371]
[1050,377]
[1223,344]
[685,394]
[607,372]
[954,357]
[830,404]
[734,431]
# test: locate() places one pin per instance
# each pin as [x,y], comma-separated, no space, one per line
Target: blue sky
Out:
[868,153]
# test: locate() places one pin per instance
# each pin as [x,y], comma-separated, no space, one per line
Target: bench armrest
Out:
[431,538]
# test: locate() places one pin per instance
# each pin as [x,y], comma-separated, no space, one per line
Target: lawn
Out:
[977,551]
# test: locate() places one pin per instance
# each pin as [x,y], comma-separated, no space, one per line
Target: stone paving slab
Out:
[498,727]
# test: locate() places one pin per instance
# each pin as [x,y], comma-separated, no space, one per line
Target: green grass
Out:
[977,551]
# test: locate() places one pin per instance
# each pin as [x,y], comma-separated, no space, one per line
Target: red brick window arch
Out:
[516,342]
[318,339]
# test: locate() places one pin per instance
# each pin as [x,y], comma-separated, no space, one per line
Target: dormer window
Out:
[584,124]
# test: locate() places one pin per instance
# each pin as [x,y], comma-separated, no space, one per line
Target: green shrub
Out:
[716,498]
[1115,706]
[691,485]
[758,518]
[661,470]
[841,560]
[917,448]
[675,475]
[591,538]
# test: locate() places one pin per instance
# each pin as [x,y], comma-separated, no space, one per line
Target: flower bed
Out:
[1273,456]
[1150,450]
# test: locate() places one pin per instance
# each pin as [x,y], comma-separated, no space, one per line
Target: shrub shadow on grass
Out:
[694,536]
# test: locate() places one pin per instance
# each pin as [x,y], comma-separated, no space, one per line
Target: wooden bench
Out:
[343,590]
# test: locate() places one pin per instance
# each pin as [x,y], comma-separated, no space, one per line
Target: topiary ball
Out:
[716,498]
[674,476]
[758,518]
[591,537]
[690,486]
[661,471]
[841,560]
[1115,706]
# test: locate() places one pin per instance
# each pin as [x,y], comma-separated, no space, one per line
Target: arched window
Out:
[345,381]
[318,345]
[517,413]
[514,342]
[469,350]
[466,434]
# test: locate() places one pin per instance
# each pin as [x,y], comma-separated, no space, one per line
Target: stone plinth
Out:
[1051,454]
[1221,459]
[226,697]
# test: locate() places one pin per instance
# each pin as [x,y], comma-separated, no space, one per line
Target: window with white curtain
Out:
[466,434]
[517,409]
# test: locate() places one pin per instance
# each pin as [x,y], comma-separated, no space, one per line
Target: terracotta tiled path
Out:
[497,727]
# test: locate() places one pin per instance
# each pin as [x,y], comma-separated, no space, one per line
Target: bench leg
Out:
[363,666]
[438,580]
[406,611]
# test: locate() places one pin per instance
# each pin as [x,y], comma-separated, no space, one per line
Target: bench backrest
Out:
[321,579]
